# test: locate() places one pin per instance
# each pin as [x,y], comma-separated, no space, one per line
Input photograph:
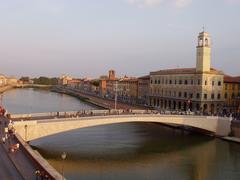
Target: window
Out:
[226,95]
[191,95]
[192,82]
[205,96]
[212,83]
[166,82]
[159,81]
[151,81]
[198,96]
[205,82]
[226,86]
[199,82]
[212,96]
[179,94]
[170,82]
[233,87]
[233,95]
[185,82]
[180,81]
[219,96]
[155,81]
[175,81]
[219,83]
[185,94]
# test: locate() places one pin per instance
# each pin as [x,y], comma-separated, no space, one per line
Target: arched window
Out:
[200,42]
[206,42]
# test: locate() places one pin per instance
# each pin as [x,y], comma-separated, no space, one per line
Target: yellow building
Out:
[12,81]
[231,91]
[195,89]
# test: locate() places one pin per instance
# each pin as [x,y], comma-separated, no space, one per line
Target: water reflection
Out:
[140,151]
[37,100]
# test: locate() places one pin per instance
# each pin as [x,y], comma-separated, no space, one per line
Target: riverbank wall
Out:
[39,160]
[94,99]
[235,128]
[81,97]
[32,86]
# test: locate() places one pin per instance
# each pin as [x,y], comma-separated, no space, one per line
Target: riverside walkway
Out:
[16,165]
[94,99]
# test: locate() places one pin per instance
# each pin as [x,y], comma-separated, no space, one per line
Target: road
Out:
[17,165]
[7,169]
[105,102]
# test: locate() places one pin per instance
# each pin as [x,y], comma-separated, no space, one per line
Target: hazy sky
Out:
[134,37]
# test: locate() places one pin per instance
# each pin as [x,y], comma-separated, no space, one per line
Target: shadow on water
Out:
[141,151]
[103,142]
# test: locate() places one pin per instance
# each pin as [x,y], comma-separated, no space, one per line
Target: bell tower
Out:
[203,62]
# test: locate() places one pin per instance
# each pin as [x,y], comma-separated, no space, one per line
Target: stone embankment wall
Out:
[235,128]
[38,159]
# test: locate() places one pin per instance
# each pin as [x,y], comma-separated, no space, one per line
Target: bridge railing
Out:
[79,113]
[84,113]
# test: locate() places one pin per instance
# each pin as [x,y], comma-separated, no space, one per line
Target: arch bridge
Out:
[34,129]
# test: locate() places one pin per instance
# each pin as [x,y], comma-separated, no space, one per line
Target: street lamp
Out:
[116,95]
[63,156]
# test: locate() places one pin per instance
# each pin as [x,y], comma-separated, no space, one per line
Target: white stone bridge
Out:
[33,129]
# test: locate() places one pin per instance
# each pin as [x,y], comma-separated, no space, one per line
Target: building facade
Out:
[3,80]
[195,89]
[127,89]
[107,85]
[143,89]
[231,93]
[63,80]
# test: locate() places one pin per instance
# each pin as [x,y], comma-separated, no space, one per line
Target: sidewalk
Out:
[232,139]
[19,163]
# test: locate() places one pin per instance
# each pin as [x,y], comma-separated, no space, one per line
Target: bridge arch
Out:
[30,130]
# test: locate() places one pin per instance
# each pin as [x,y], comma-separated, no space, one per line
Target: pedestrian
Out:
[3,140]
[38,174]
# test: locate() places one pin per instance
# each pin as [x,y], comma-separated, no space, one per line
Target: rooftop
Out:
[183,71]
[231,79]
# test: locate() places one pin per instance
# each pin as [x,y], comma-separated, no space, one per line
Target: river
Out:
[141,151]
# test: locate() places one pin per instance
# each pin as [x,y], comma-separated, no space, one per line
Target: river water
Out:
[141,151]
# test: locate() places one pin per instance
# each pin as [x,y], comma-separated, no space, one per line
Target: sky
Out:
[86,38]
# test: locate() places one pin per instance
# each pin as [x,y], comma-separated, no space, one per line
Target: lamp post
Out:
[63,156]
[116,84]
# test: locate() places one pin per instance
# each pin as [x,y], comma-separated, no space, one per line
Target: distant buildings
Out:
[143,89]
[3,80]
[107,85]
[63,80]
[127,89]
